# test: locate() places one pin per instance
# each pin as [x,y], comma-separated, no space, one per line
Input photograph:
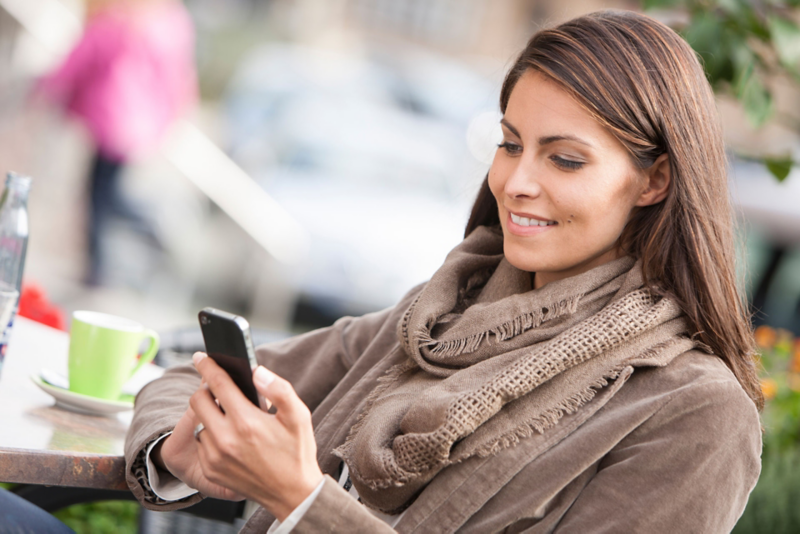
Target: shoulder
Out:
[694,401]
[684,452]
[696,397]
[384,322]
[695,378]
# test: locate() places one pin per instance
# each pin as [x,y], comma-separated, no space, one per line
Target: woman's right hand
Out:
[178,455]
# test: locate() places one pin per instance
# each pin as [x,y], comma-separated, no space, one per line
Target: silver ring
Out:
[199,428]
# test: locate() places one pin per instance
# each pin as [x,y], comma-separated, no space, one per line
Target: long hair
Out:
[644,83]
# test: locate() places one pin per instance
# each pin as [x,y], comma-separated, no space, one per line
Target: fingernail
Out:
[197,357]
[262,377]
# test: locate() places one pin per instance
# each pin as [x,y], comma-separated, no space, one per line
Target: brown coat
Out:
[673,449]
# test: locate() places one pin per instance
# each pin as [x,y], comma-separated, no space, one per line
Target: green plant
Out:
[779,356]
[104,517]
[745,44]
[772,506]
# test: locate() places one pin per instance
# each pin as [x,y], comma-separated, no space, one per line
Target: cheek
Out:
[495,180]
[574,205]
[600,211]
[496,186]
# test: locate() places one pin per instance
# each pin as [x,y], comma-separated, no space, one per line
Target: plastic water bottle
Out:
[13,246]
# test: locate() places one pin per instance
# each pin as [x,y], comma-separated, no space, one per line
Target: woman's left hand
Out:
[271,459]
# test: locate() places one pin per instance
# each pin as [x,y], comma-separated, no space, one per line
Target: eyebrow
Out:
[549,138]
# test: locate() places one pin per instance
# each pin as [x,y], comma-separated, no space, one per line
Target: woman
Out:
[581,362]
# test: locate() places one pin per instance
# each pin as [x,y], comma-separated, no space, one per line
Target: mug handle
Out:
[150,353]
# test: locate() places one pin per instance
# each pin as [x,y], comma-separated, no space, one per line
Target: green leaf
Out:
[786,37]
[660,4]
[744,63]
[733,6]
[753,24]
[756,99]
[779,167]
[705,34]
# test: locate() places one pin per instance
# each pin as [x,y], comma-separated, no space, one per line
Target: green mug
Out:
[102,353]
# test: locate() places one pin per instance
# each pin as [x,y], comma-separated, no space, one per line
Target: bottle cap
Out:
[18,180]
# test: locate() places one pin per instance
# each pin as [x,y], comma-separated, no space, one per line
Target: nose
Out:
[523,182]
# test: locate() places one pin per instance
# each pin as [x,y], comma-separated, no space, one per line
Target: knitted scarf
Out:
[488,360]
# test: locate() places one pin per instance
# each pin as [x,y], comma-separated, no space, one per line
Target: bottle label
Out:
[4,338]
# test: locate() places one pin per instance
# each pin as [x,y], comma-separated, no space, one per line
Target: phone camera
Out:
[205,320]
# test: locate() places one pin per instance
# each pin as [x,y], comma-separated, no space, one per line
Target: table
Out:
[44,444]
[63,457]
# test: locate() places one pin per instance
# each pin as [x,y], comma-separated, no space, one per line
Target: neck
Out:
[542,278]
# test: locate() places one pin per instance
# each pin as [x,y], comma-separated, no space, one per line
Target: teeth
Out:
[525,221]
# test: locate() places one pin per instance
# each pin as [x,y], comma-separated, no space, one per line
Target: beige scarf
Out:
[490,361]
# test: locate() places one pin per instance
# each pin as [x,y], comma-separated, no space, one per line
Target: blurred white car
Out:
[370,157]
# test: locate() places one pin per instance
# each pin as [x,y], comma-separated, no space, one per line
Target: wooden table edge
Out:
[57,468]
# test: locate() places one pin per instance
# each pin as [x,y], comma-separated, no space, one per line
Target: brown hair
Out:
[641,81]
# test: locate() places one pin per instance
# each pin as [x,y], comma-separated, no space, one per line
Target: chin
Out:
[524,260]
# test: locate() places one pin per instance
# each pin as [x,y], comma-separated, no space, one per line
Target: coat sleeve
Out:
[314,363]
[689,468]
[335,511]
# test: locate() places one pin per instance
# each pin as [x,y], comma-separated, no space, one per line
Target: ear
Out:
[658,177]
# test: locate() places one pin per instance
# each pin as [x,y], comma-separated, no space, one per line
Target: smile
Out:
[525,221]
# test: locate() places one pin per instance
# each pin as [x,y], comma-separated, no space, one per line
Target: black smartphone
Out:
[228,342]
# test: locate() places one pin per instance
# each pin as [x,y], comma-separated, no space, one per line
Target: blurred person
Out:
[128,78]
[581,362]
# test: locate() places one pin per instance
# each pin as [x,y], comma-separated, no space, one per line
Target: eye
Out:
[510,148]
[567,164]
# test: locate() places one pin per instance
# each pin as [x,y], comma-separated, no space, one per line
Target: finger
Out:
[228,394]
[213,488]
[291,411]
[186,424]
[205,409]
[263,402]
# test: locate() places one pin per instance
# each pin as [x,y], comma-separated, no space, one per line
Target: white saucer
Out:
[77,402]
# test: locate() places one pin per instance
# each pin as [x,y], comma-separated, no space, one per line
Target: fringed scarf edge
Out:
[503,332]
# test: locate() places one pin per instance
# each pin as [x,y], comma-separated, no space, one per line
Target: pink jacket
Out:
[131,74]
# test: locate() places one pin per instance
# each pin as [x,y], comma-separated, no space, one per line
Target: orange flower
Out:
[794,381]
[794,365]
[765,337]
[769,387]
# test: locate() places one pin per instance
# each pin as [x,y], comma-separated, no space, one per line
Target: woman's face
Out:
[565,187]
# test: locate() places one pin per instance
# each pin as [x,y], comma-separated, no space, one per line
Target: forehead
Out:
[539,106]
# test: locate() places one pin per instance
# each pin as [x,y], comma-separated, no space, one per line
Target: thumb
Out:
[291,411]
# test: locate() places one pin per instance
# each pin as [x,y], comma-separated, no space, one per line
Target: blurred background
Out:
[318,158]
[349,118]
[326,164]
